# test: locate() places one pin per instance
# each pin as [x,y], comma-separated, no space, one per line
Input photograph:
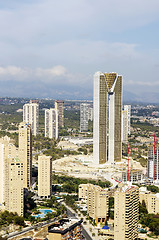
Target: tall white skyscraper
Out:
[84,114]
[107,117]
[124,127]
[153,163]
[51,123]
[31,115]
[90,113]
[127,108]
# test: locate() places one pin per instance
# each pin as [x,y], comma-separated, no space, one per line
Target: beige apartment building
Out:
[11,177]
[107,145]
[51,123]
[97,203]
[25,152]
[83,191]
[151,200]
[44,176]
[126,212]
[59,105]
[31,115]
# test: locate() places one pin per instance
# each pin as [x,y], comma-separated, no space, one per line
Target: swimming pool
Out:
[42,213]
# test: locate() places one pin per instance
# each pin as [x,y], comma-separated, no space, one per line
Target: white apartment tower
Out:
[90,113]
[126,212]
[124,127]
[84,114]
[51,123]
[127,108]
[44,176]
[25,152]
[153,163]
[31,115]
[107,118]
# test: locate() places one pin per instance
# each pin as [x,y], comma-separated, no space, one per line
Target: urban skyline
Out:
[81,169]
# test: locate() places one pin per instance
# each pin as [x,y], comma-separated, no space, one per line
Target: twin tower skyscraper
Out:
[107,144]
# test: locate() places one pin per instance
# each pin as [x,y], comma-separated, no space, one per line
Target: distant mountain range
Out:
[65,91]
[144,97]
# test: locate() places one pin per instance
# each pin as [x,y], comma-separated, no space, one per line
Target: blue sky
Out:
[52,48]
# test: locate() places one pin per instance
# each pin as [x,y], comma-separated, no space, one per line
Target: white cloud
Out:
[77,38]
[18,73]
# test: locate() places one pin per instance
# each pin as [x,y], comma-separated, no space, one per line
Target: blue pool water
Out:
[43,213]
[141,229]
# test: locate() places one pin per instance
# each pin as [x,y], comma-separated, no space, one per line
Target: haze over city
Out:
[53,48]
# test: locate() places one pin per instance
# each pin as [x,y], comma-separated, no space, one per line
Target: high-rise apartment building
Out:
[84,114]
[90,113]
[126,212]
[59,105]
[15,202]
[107,117]
[127,108]
[124,127]
[153,163]
[11,177]
[97,203]
[51,123]
[44,176]
[31,115]
[25,152]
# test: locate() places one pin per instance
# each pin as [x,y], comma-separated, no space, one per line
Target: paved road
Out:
[85,234]
[71,214]
[11,235]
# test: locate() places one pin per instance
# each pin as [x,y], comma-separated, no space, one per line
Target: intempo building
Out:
[107,118]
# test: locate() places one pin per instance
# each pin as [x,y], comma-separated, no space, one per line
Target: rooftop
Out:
[64,225]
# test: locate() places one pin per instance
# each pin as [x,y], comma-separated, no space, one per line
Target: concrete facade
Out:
[107,118]
[126,214]
[83,191]
[84,114]
[44,176]
[51,123]
[25,152]
[97,203]
[11,176]
[153,163]
[59,105]
[124,127]
[127,108]
[151,200]
[31,116]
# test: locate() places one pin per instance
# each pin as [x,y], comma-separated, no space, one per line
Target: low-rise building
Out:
[135,176]
[151,200]
[65,229]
